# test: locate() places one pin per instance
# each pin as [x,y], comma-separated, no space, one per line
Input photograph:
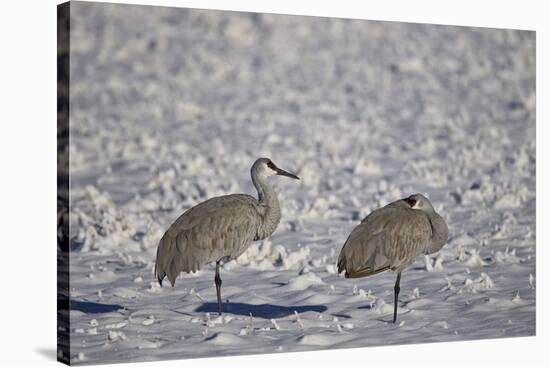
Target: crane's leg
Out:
[218,282]
[396,290]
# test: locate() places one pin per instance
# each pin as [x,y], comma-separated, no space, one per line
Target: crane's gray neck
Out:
[267,198]
[440,232]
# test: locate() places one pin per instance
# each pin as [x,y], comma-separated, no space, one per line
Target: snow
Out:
[303,282]
[171,107]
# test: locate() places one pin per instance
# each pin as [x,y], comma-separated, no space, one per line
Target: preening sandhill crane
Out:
[221,228]
[390,238]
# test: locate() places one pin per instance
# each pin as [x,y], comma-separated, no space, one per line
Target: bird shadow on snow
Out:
[265,311]
[93,307]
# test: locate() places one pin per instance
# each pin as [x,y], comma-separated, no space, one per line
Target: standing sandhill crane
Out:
[221,228]
[390,238]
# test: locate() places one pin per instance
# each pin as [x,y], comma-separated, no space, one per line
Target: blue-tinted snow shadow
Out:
[265,311]
[367,307]
[93,307]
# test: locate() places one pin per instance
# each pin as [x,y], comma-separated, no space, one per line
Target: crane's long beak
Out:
[285,173]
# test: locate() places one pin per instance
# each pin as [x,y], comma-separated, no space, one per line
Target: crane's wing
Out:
[388,238]
[212,230]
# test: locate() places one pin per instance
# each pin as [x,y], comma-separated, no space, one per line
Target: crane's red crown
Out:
[411,201]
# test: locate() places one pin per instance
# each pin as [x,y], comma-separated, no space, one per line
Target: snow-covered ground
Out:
[170,107]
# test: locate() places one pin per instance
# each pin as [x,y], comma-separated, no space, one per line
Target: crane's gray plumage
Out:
[215,229]
[390,238]
[221,228]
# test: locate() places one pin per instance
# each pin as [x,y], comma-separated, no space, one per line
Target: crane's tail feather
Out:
[357,273]
[364,272]
[170,262]
[159,274]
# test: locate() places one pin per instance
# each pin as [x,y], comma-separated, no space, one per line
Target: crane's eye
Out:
[411,201]
[271,165]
